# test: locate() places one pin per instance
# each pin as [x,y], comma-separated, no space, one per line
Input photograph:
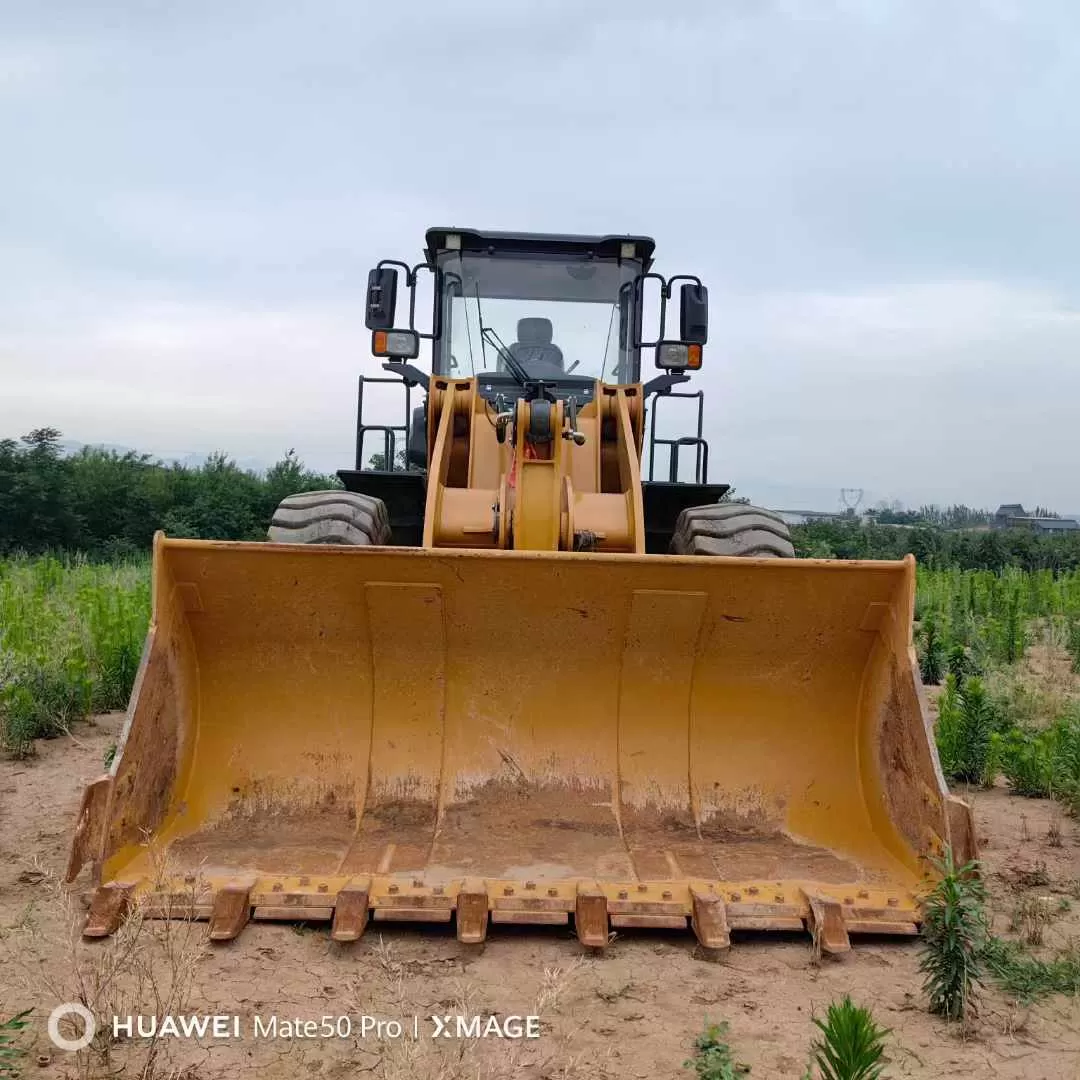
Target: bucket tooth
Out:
[108,906]
[827,924]
[709,920]
[232,909]
[351,911]
[591,916]
[472,912]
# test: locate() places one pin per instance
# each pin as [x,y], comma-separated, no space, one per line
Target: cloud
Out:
[881,196]
[955,391]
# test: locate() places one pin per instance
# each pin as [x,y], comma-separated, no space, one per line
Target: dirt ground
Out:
[632,1012]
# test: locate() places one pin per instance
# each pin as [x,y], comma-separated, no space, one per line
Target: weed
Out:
[965,729]
[961,662]
[1034,877]
[10,1051]
[1030,918]
[852,1044]
[71,636]
[1028,978]
[954,932]
[147,966]
[1074,643]
[932,656]
[713,1058]
[553,985]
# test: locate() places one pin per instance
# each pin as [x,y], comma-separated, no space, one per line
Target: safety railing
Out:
[390,432]
[697,441]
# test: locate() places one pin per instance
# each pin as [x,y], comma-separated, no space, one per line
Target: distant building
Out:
[1046,525]
[1005,514]
[1014,516]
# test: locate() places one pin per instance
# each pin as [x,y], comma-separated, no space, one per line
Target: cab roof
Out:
[609,247]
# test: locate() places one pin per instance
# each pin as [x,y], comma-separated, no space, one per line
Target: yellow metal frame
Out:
[486,494]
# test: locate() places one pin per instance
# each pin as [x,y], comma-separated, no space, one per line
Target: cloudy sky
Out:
[883,198]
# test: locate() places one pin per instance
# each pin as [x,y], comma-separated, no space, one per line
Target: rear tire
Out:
[732,529]
[330,517]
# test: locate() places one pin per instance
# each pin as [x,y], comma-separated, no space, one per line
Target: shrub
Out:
[954,936]
[852,1044]
[964,729]
[948,731]
[1073,643]
[932,653]
[1045,764]
[960,662]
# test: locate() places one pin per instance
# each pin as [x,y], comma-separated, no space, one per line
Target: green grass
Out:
[71,634]
[975,627]
[1028,978]
[11,1054]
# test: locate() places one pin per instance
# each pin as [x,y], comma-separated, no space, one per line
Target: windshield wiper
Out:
[513,364]
[488,336]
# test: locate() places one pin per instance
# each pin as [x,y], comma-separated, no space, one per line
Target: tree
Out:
[41,493]
[378,461]
[106,504]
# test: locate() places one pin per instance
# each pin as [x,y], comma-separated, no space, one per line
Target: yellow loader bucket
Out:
[338,734]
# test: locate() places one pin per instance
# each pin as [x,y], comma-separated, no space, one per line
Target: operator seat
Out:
[535,350]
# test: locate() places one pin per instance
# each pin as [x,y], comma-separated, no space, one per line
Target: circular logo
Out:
[71,1008]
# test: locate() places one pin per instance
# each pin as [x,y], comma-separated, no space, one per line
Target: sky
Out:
[881,197]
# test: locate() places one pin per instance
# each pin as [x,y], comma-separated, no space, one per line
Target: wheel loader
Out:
[503,678]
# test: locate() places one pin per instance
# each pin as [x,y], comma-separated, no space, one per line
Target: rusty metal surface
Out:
[563,730]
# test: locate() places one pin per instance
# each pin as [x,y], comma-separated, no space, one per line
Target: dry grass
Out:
[1053,828]
[1042,685]
[147,967]
[1030,918]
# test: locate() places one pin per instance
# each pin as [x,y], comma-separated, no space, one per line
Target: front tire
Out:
[732,529]
[330,517]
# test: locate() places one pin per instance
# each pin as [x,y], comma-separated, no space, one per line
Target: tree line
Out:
[937,547]
[107,504]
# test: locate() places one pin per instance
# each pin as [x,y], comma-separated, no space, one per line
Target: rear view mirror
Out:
[694,314]
[381,299]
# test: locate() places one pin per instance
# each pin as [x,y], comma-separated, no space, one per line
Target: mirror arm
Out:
[662,384]
[410,375]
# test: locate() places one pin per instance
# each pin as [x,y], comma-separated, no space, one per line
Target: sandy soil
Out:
[632,1012]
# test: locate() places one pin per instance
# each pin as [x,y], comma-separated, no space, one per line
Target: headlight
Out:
[396,344]
[677,356]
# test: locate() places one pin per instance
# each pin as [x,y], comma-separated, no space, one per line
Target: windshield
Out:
[554,315]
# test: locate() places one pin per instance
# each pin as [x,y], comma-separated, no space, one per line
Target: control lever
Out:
[503,418]
[572,432]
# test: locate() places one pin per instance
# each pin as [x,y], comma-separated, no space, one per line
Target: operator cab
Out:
[515,309]
[559,305]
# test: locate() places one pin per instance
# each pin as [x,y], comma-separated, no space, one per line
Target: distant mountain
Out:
[70,447]
[185,459]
